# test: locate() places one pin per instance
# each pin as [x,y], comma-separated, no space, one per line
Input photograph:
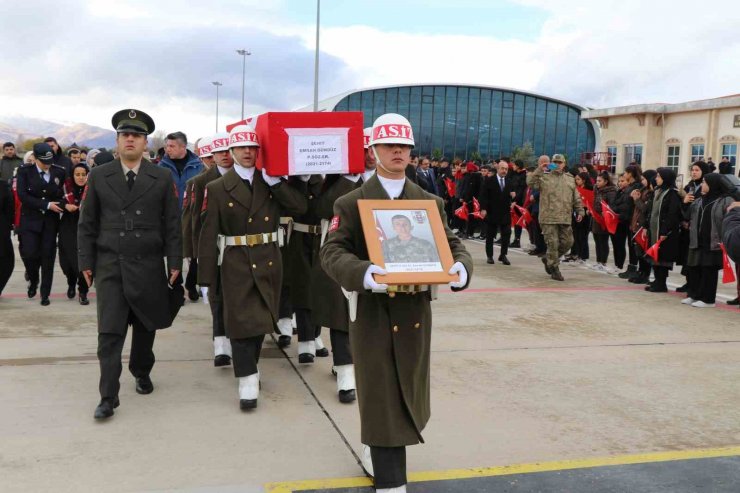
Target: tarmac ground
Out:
[587,385]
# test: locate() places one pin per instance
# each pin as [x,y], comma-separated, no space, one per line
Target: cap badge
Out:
[132,114]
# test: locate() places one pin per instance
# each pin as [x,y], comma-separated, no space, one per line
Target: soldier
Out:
[219,147]
[241,232]
[558,200]
[129,221]
[40,190]
[404,247]
[391,333]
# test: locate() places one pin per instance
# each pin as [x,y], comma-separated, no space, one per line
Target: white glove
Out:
[204,293]
[458,268]
[305,178]
[270,180]
[369,283]
[352,178]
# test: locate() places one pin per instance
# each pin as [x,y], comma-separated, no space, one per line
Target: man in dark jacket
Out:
[427,176]
[60,159]
[495,203]
[183,164]
[129,222]
[9,162]
[518,179]
[40,191]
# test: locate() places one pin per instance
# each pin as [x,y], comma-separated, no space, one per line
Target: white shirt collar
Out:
[244,173]
[126,169]
[367,175]
[392,187]
[222,171]
[42,171]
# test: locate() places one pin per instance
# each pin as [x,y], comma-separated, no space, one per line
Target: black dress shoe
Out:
[734,302]
[247,404]
[347,396]
[83,299]
[45,301]
[105,408]
[71,292]
[658,289]
[222,360]
[640,279]
[515,244]
[489,260]
[305,358]
[193,294]
[144,385]
[284,341]
[32,290]
[504,260]
[322,353]
[683,288]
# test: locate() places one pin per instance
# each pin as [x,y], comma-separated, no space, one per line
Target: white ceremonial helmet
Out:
[204,146]
[220,142]
[392,128]
[243,136]
[367,134]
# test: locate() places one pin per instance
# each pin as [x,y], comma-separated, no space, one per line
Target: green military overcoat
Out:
[390,339]
[251,277]
[123,236]
[196,200]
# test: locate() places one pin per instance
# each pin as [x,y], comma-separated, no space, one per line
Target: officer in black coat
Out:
[495,204]
[129,222]
[42,197]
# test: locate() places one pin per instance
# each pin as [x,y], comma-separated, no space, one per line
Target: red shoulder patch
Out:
[205,200]
[334,224]
[84,193]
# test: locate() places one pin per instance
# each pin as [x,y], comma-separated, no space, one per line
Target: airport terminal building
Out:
[460,120]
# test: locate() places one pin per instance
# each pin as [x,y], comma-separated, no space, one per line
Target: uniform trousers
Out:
[505,230]
[39,251]
[602,247]
[389,466]
[215,301]
[141,358]
[702,283]
[245,355]
[559,239]
[7,263]
[341,353]
[285,310]
[192,278]
[307,330]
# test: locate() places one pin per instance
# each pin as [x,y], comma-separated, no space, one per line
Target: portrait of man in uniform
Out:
[411,240]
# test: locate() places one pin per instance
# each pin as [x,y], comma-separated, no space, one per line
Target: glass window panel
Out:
[561,129]
[355,102]
[529,113]
[484,125]
[424,137]
[342,105]
[378,103]
[473,119]
[403,100]
[506,123]
[438,119]
[674,153]
[730,152]
[391,100]
[414,115]
[612,159]
[571,143]
[550,125]
[450,122]
[367,107]
[462,121]
[517,129]
[496,112]
[539,127]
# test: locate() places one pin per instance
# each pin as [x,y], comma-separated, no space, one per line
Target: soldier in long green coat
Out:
[391,335]
[129,222]
[241,233]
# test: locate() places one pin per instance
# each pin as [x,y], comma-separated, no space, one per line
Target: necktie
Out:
[501,182]
[130,179]
[43,174]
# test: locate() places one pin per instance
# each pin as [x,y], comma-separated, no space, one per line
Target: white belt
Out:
[248,241]
[324,231]
[307,228]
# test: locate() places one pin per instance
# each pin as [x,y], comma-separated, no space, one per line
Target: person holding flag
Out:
[705,258]
[664,223]
[641,199]
[604,194]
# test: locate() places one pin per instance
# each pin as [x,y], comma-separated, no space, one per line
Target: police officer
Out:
[241,234]
[129,221]
[40,190]
[391,334]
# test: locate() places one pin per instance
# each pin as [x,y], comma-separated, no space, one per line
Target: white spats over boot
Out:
[346,383]
[222,351]
[249,391]
[321,350]
[204,294]
[285,327]
[306,351]
[366,461]
[399,489]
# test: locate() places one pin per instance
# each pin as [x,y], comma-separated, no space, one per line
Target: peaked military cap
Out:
[132,121]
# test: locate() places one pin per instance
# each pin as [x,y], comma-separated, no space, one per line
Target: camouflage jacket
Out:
[558,196]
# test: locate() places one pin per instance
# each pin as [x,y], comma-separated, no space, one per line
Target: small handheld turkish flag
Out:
[462,212]
[476,209]
[729,268]
[451,188]
[526,217]
[610,217]
[641,238]
[654,250]
[515,217]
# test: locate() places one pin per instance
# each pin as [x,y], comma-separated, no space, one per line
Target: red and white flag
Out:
[611,220]
[729,268]
[381,232]
[641,238]
[476,209]
[462,212]
[652,252]
[525,218]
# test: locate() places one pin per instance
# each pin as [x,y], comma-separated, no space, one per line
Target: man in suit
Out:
[129,222]
[40,190]
[495,203]
[427,176]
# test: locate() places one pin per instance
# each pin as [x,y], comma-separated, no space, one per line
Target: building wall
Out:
[462,120]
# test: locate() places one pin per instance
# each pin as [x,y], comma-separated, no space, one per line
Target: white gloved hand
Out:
[305,178]
[458,268]
[270,180]
[369,283]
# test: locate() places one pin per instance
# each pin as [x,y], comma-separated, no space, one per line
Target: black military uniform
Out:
[129,221]
[37,189]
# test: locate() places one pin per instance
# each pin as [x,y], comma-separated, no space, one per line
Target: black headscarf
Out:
[650,175]
[714,181]
[75,188]
[669,178]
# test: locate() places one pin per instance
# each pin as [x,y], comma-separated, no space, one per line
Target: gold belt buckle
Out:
[253,240]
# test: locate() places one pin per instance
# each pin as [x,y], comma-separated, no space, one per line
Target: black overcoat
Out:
[497,202]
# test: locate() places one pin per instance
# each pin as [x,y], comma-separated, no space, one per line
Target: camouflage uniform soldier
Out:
[407,248]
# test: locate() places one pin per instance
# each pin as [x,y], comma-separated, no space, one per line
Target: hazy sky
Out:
[81,60]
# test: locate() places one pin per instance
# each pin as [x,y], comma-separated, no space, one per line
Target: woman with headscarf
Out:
[693,191]
[704,258]
[74,187]
[91,158]
[664,225]
[642,199]
[605,191]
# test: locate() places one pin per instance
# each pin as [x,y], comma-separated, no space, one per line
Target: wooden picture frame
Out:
[407,239]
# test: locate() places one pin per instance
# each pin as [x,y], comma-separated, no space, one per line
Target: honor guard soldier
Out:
[241,234]
[129,222]
[40,190]
[391,332]
[223,162]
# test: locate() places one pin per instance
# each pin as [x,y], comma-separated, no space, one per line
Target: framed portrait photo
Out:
[408,240]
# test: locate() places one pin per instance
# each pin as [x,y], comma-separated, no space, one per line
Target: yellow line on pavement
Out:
[620,460]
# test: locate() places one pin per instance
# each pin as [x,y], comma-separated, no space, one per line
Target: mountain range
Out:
[11,127]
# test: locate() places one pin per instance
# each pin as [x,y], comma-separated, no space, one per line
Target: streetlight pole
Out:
[244,54]
[316,62]
[217,84]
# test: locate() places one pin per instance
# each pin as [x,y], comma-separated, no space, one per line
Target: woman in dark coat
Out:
[73,188]
[605,191]
[580,251]
[704,259]
[7,214]
[664,223]
[642,199]
[625,208]
[693,191]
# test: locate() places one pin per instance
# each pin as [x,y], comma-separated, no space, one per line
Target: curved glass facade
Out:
[461,120]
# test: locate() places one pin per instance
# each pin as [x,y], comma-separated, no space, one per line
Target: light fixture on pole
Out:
[217,84]
[316,62]
[244,54]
